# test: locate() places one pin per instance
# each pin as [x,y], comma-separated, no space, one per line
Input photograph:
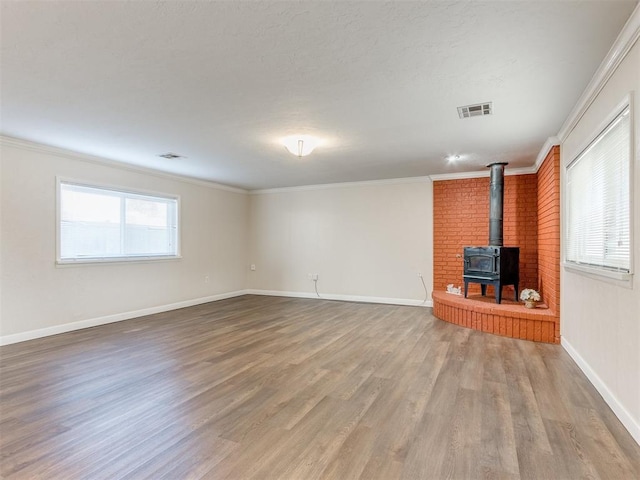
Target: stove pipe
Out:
[496,201]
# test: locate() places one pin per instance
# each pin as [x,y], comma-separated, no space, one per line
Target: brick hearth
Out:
[508,319]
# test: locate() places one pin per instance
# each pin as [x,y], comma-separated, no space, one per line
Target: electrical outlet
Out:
[314,276]
[253,267]
[206,279]
[419,274]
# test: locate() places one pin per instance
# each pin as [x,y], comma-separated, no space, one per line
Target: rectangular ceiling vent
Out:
[477,110]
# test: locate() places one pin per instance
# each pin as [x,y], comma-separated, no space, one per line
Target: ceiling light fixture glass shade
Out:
[300,145]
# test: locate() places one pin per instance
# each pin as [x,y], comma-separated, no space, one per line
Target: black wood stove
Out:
[494,264]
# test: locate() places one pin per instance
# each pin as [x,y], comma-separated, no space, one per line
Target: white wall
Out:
[366,241]
[600,323]
[36,296]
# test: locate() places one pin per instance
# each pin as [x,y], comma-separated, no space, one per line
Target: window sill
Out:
[115,260]
[617,278]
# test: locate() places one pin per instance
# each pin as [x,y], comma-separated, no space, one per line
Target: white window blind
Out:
[598,200]
[103,224]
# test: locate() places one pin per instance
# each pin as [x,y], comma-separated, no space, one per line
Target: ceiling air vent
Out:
[477,110]
[170,155]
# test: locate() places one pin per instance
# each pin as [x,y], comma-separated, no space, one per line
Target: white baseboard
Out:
[118,317]
[623,415]
[93,322]
[343,298]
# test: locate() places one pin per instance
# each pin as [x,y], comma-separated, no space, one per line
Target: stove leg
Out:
[483,289]
[498,287]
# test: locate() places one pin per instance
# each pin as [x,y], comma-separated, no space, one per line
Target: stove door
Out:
[481,264]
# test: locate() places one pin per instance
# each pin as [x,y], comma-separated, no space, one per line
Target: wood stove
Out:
[494,264]
[497,266]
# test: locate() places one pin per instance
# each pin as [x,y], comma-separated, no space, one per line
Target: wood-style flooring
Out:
[281,388]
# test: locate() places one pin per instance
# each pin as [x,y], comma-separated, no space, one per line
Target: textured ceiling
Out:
[222,82]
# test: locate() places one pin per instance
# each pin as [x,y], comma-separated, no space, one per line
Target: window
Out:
[598,230]
[97,224]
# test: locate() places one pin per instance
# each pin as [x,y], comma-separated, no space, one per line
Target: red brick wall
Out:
[461,218]
[521,224]
[549,231]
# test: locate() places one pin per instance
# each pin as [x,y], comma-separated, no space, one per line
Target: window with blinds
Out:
[104,224]
[598,221]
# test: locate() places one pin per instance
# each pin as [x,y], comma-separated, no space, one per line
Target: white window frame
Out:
[118,259]
[601,272]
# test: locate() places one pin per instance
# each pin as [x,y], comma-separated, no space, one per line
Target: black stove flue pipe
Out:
[496,203]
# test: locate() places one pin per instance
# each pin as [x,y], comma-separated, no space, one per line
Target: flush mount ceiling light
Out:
[453,158]
[300,145]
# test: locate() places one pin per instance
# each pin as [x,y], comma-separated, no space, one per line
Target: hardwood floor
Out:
[266,387]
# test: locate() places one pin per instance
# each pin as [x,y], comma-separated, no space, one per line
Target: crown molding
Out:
[627,37]
[327,186]
[544,151]
[63,152]
[482,173]
[460,175]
